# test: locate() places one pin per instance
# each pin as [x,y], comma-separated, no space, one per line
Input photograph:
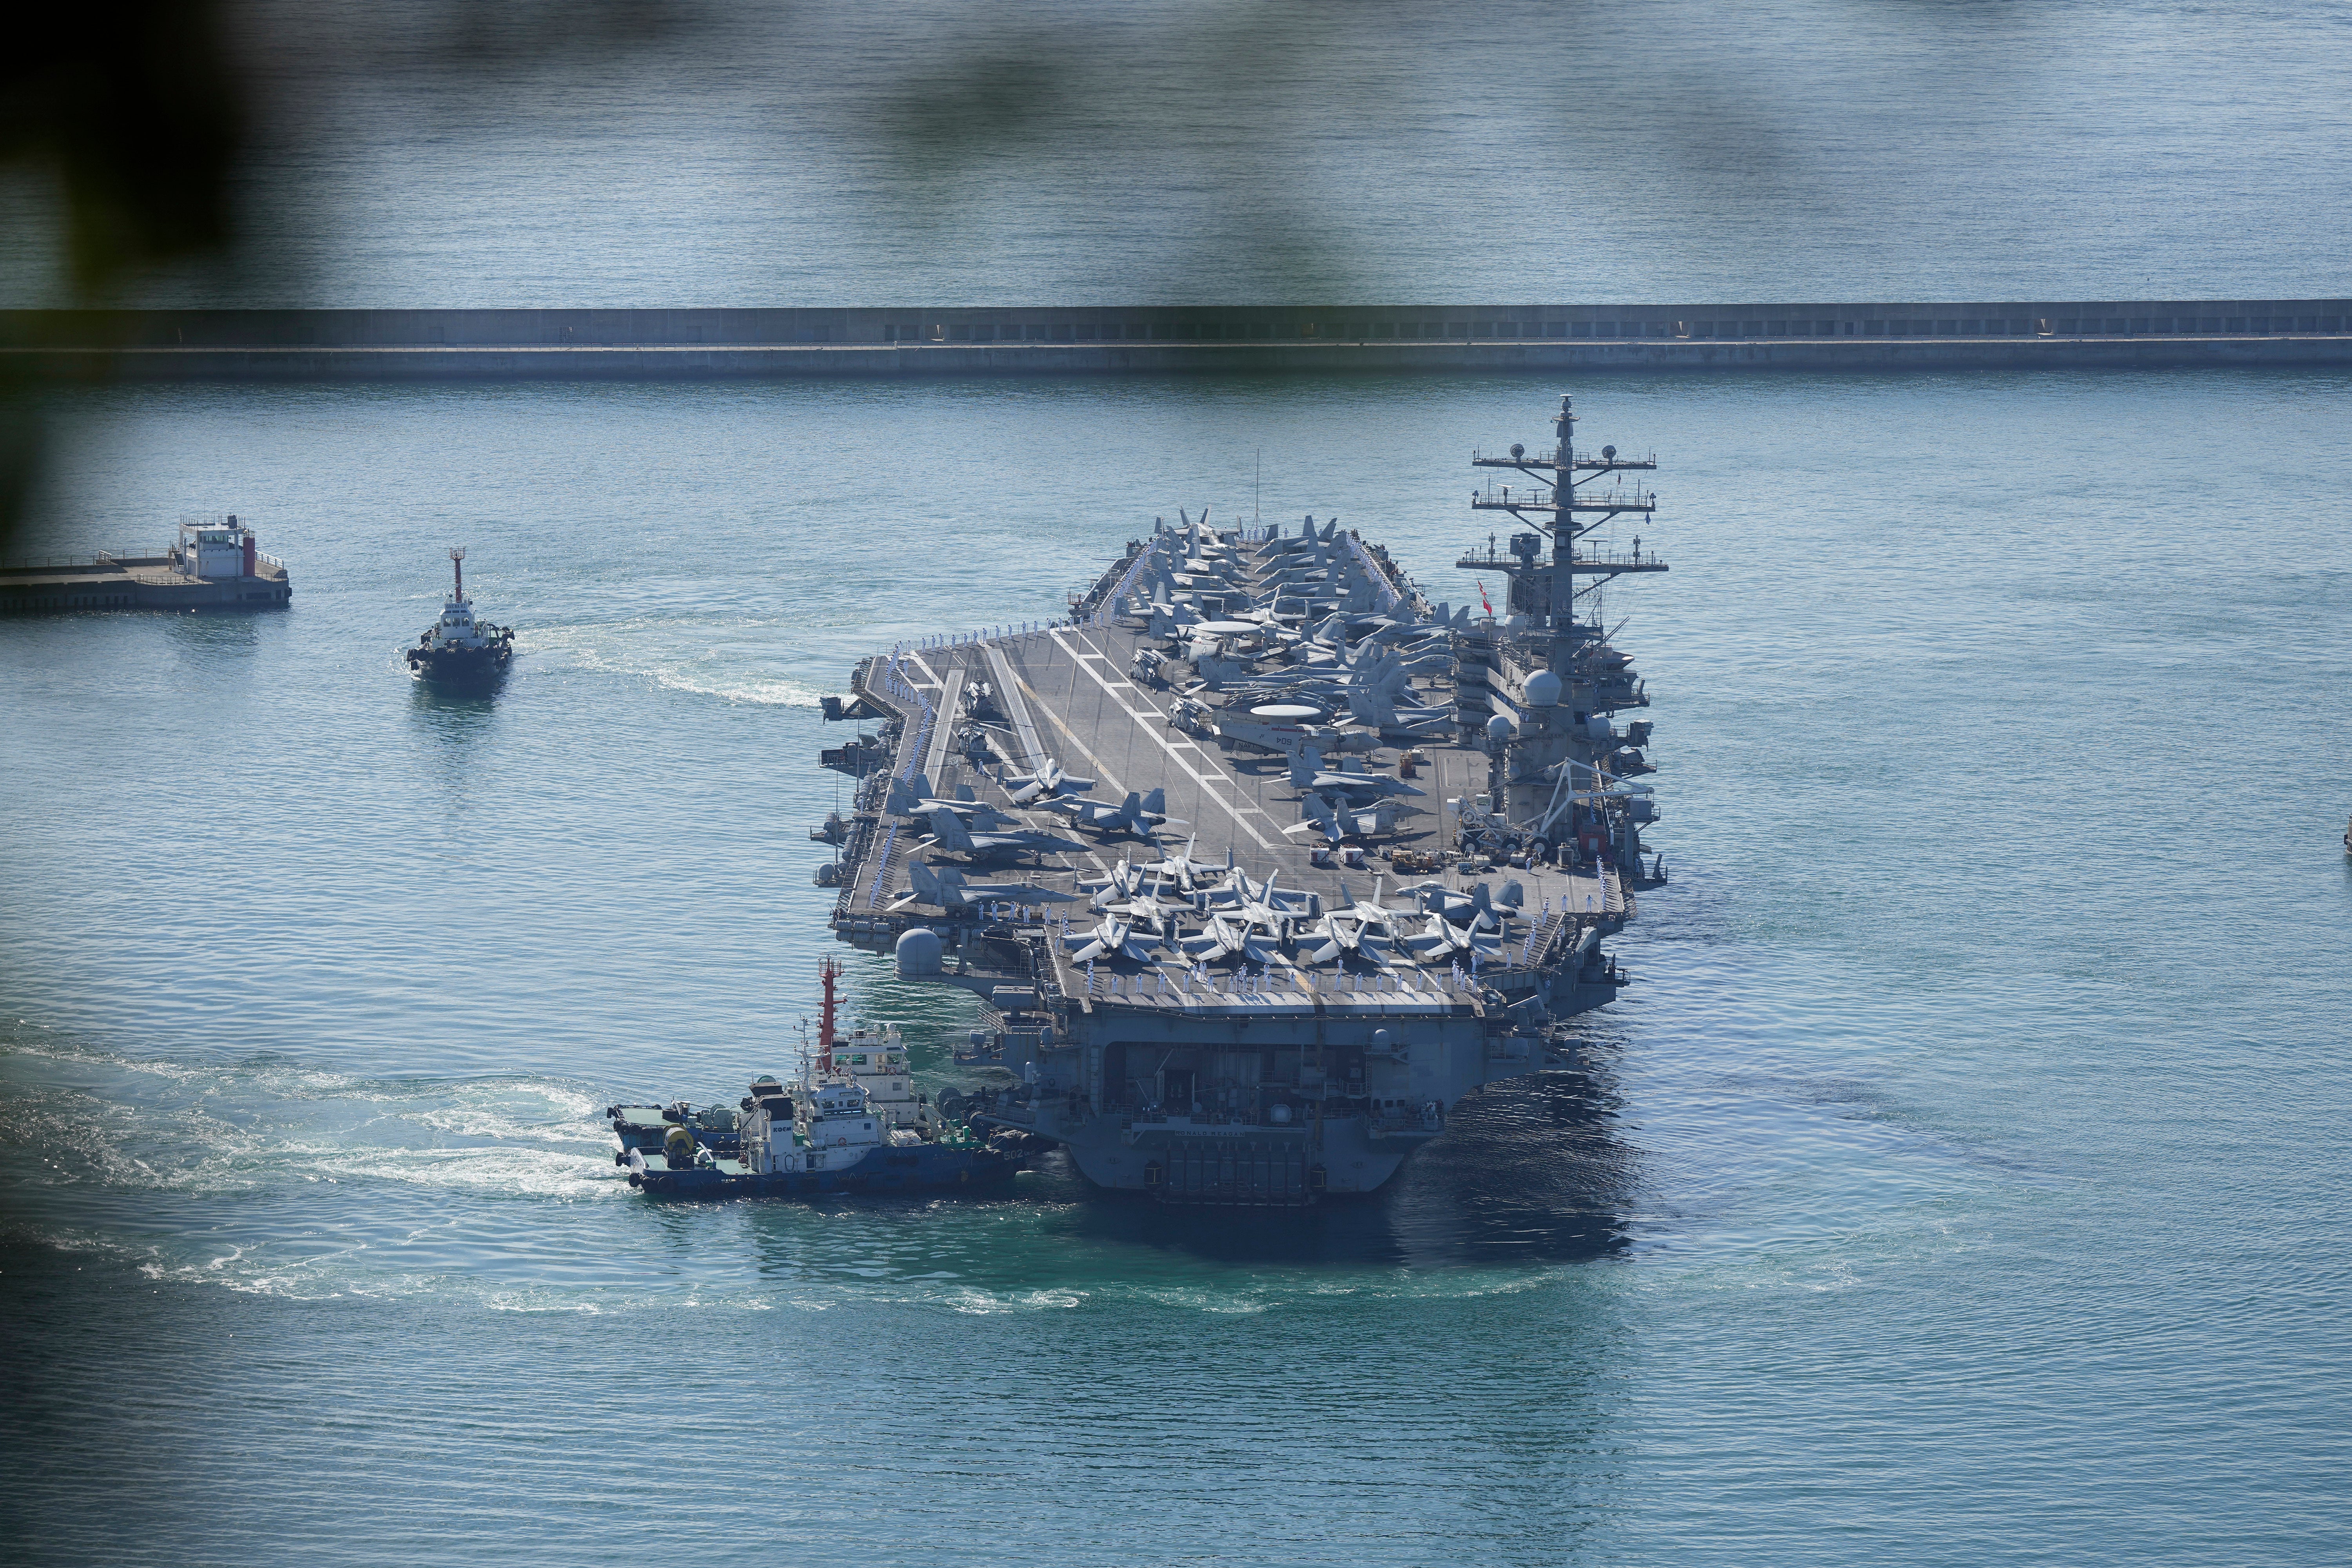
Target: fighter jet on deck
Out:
[1475,909]
[1338,821]
[1284,737]
[1188,873]
[975,813]
[1228,935]
[947,889]
[1363,928]
[1135,815]
[949,831]
[1307,773]
[1113,938]
[1438,937]
[1049,780]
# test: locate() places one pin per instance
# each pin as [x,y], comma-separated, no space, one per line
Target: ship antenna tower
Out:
[1547,592]
[457,565]
[1536,751]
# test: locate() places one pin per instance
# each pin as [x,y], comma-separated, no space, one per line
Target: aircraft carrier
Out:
[1260,861]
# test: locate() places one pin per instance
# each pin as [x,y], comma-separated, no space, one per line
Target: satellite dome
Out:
[1543,689]
[1608,454]
[1518,450]
[920,948]
[1498,728]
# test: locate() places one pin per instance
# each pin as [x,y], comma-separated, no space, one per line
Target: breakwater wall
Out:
[427,344]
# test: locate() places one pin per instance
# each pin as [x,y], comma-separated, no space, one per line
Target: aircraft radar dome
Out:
[1543,689]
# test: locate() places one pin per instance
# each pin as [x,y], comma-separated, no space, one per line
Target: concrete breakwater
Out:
[425,344]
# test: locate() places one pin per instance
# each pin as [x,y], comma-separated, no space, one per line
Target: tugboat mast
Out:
[829,970]
[458,565]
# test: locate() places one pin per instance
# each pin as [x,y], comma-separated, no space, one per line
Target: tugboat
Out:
[850,1124]
[458,649]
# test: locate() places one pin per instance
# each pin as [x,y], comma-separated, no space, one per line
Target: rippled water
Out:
[938,152]
[1965,1180]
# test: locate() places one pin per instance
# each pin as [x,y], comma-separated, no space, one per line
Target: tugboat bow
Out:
[459,646]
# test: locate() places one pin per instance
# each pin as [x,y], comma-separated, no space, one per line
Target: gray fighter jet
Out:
[1047,780]
[1338,821]
[1189,874]
[1307,773]
[1137,815]
[1112,938]
[949,831]
[946,890]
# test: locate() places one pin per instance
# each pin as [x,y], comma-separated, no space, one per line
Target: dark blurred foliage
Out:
[142,113]
[137,113]
[137,116]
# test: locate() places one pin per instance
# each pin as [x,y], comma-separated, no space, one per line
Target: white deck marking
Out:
[1153,731]
[1099,766]
[943,726]
[1021,721]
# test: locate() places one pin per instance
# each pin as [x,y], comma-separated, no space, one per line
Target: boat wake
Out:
[744,660]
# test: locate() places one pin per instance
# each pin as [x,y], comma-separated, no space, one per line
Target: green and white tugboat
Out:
[851,1123]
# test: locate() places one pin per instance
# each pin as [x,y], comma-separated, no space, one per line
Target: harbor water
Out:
[1114,152]
[1963,1181]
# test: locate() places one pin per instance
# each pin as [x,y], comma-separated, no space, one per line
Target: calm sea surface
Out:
[1964,1181]
[430,152]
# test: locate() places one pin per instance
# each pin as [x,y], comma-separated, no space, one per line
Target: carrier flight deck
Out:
[1260,861]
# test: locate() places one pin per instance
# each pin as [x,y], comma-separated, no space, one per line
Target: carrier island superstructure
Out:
[1260,861]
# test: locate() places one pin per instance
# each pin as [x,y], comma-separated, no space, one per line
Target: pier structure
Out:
[919,339]
[215,564]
